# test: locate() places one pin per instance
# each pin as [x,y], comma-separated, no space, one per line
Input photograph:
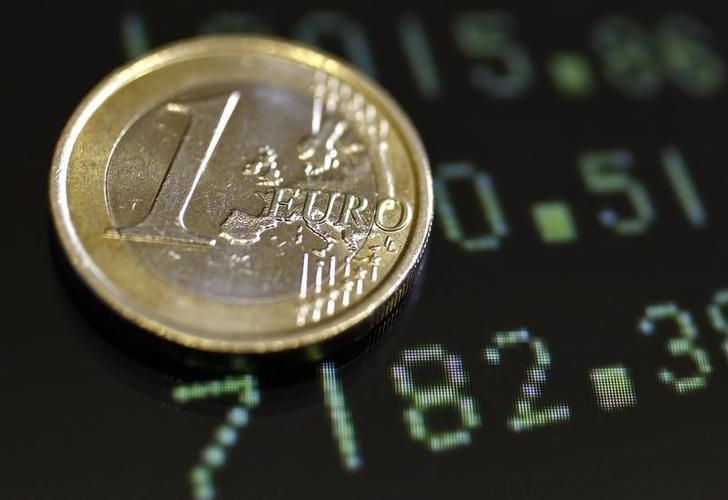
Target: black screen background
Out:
[84,419]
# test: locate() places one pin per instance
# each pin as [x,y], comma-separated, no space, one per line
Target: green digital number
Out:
[628,57]
[234,22]
[419,55]
[682,183]
[134,34]
[687,58]
[492,211]
[637,63]
[214,455]
[322,23]
[528,412]
[608,172]
[450,393]
[489,36]
[683,346]
[717,315]
[342,426]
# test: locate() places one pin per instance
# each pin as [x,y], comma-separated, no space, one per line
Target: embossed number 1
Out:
[165,221]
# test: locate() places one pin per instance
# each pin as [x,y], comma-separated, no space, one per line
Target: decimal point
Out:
[554,221]
[613,387]
[571,73]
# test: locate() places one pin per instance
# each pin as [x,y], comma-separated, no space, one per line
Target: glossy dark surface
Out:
[86,417]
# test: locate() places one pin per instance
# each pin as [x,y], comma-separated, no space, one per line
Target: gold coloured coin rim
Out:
[307,335]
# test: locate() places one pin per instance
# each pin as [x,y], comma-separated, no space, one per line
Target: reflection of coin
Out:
[241,194]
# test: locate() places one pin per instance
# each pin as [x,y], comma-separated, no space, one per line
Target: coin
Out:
[240,194]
